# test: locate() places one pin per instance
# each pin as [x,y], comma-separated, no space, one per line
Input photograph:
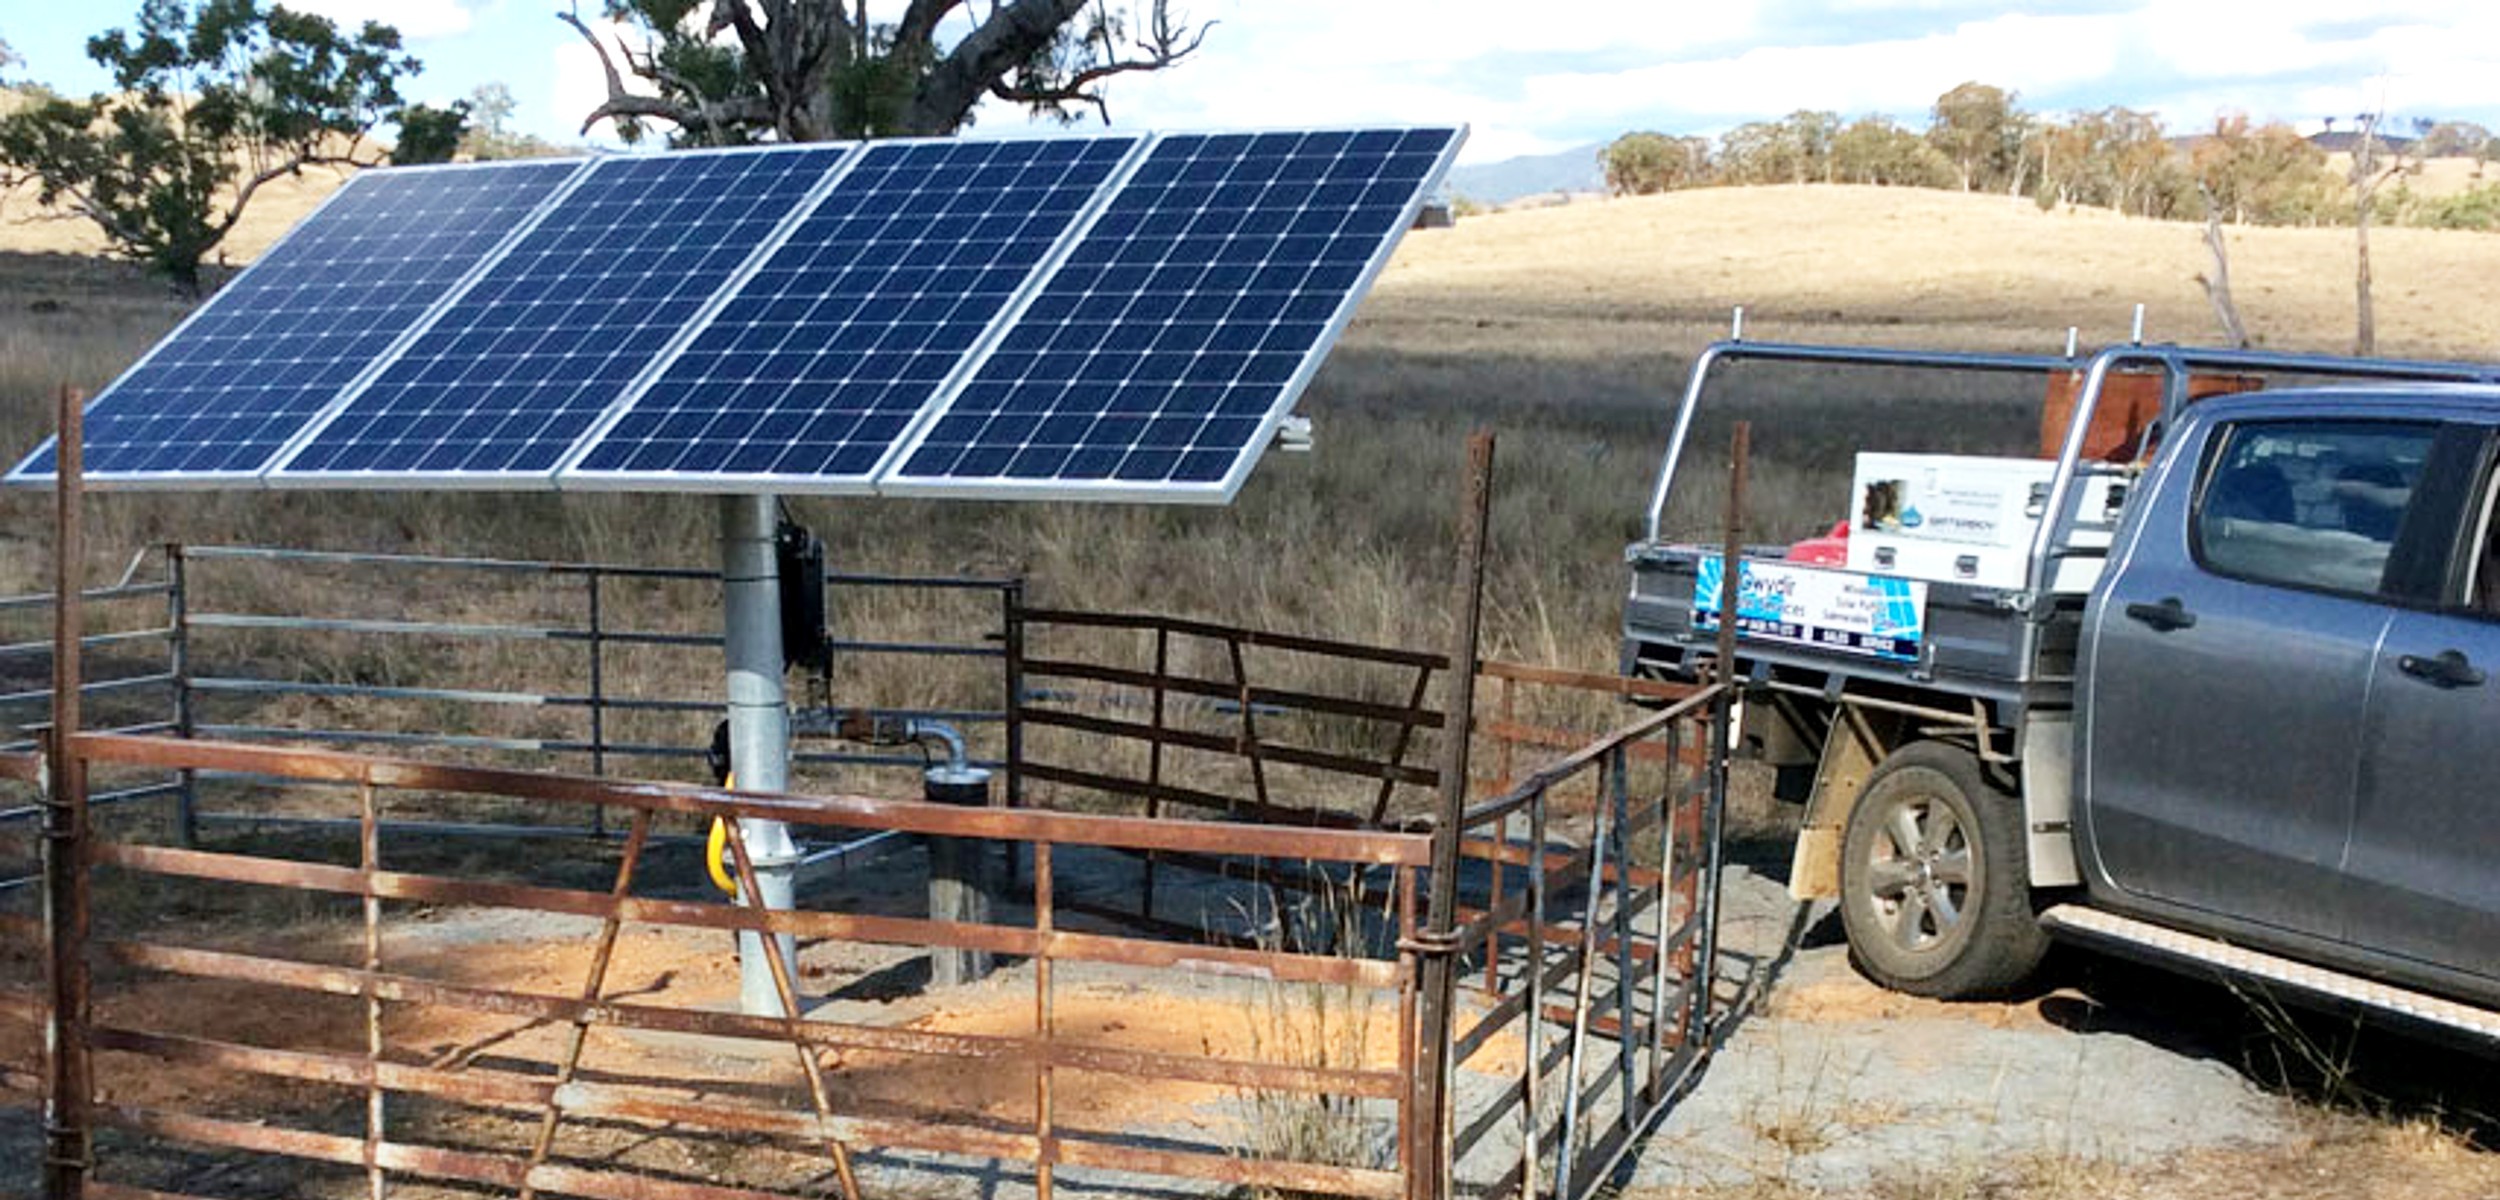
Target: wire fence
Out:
[413,654]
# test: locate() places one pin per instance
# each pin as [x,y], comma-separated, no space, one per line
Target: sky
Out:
[1546,77]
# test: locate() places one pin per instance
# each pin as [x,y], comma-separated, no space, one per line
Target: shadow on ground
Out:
[2339,1060]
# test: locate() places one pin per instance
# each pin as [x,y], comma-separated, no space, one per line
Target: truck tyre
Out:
[1935,887]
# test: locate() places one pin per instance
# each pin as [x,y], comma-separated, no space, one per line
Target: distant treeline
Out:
[1978,139]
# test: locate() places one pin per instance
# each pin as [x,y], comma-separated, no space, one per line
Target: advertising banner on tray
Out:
[1874,615]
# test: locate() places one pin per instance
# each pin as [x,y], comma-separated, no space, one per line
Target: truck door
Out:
[2420,880]
[2228,661]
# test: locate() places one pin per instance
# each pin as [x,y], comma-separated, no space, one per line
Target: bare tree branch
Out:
[81,206]
[243,191]
[734,15]
[1161,52]
[1014,33]
[622,104]
[2366,179]
[708,112]
[920,21]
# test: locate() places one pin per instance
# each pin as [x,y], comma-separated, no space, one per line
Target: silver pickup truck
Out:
[2208,680]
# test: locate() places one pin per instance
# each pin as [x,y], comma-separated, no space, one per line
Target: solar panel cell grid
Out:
[823,357]
[1181,321]
[515,370]
[228,390]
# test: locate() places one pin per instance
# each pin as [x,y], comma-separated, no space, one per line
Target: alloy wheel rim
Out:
[1920,874]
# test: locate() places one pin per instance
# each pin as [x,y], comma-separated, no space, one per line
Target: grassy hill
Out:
[28,228]
[1905,267]
[1852,263]
[1565,329]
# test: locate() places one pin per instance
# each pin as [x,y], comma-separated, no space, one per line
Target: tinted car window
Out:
[2309,505]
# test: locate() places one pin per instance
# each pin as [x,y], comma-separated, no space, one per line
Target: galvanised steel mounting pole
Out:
[759,727]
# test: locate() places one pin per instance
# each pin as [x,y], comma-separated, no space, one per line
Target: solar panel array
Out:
[1118,317]
[228,388]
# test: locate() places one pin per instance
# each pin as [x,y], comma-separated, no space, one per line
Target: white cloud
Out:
[416,20]
[1336,62]
[1540,78]
[1437,32]
[1901,77]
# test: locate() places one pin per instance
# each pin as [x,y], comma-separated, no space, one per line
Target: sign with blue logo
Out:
[1875,615]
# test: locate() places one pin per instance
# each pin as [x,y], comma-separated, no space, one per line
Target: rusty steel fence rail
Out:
[1162,715]
[1581,937]
[1234,698]
[1582,870]
[162,679]
[1585,904]
[1581,944]
[565,1092]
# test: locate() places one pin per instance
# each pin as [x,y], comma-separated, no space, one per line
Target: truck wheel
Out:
[1934,880]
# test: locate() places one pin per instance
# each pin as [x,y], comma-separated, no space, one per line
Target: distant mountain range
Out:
[2343,141]
[1574,170]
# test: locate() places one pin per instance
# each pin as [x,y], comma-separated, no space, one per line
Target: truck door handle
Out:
[2446,669]
[2164,617]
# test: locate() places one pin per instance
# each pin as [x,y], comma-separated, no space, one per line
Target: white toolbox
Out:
[1966,519]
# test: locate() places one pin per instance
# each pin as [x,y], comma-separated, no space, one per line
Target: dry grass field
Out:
[29,228]
[1566,330]
[2433,177]
[1650,276]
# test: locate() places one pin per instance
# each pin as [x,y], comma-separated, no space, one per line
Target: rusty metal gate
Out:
[1594,945]
[1585,924]
[352,1006]
[1584,928]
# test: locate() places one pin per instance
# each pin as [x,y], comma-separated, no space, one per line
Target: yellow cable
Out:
[718,844]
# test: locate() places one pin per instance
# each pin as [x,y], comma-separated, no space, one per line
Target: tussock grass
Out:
[1322,1027]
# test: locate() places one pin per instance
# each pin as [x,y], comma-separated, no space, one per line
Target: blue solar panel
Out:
[1160,357]
[817,365]
[227,390]
[516,369]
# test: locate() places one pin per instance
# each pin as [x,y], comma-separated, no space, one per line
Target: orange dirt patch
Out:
[1288,1025]
[1850,998]
[694,969]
